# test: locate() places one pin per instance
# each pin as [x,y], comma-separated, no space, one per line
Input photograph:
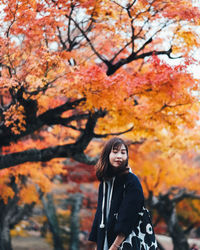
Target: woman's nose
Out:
[119,155]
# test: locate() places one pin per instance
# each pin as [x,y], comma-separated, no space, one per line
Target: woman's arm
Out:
[119,239]
[93,233]
[131,204]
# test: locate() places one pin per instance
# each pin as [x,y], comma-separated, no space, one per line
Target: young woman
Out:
[120,198]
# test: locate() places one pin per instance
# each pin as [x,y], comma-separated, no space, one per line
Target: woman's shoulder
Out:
[131,176]
[133,179]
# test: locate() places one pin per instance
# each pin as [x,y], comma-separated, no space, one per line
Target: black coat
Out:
[127,201]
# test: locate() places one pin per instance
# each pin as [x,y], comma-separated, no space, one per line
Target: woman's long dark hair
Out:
[103,166]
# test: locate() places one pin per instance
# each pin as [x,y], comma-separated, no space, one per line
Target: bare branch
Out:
[131,4]
[184,193]
[117,4]
[119,133]
[112,68]
[12,22]
[151,38]
[69,25]
[119,52]
[89,41]
[60,38]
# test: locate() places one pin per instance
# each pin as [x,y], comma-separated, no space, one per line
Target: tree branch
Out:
[74,151]
[119,133]
[88,132]
[50,117]
[112,68]
[12,22]
[89,41]
[65,121]
[184,193]
[35,155]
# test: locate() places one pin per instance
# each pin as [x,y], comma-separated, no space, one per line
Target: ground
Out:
[167,243]
[30,243]
[38,243]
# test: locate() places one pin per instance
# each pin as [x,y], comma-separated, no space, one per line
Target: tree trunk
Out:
[177,234]
[5,239]
[167,210]
[50,212]
[75,221]
[10,215]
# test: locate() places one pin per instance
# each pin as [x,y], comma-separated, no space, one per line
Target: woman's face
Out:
[118,156]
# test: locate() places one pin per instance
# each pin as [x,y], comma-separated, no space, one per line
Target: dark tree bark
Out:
[74,151]
[5,239]
[76,201]
[10,215]
[50,213]
[167,210]
[166,207]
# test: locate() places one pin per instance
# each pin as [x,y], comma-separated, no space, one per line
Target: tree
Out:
[72,71]
[19,194]
[45,45]
[50,213]
[168,179]
[73,210]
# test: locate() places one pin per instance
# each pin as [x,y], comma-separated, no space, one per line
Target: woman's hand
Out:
[114,247]
[116,244]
